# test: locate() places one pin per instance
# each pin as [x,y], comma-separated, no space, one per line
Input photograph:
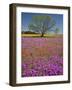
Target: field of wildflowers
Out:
[42,56]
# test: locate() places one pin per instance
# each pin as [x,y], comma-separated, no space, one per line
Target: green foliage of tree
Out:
[41,24]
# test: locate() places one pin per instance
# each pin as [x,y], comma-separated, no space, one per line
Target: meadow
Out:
[42,56]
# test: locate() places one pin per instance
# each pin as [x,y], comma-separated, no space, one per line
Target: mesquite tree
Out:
[41,24]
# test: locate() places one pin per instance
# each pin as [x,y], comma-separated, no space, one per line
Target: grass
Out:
[39,35]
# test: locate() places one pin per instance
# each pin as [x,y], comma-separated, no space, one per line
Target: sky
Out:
[27,17]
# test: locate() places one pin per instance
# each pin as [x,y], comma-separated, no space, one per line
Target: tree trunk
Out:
[42,34]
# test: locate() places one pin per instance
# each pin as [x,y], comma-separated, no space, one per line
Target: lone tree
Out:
[41,24]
